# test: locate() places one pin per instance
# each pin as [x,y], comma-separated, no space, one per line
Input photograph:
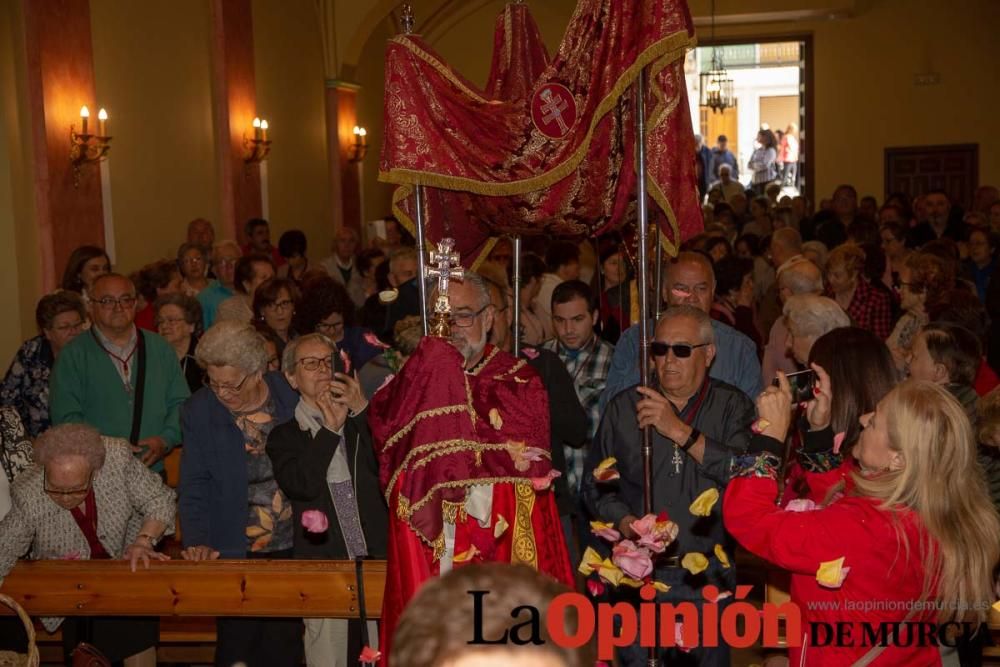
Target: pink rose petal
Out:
[347,361]
[838,440]
[530,352]
[315,521]
[369,656]
[801,505]
[595,587]
[633,560]
[543,483]
[374,341]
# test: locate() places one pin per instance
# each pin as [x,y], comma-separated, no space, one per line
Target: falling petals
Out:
[694,562]
[611,573]
[591,562]
[500,527]
[543,483]
[595,587]
[386,381]
[369,656]
[654,533]
[838,440]
[759,426]
[315,521]
[374,341]
[831,573]
[717,596]
[388,295]
[679,638]
[605,470]
[800,505]
[703,504]
[467,555]
[530,352]
[633,560]
[632,583]
[660,586]
[523,455]
[496,421]
[605,530]
[721,554]
[347,361]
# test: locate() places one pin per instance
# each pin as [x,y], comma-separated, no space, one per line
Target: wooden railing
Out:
[322,589]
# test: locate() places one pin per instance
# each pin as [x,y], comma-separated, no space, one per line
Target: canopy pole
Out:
[658,296]
[517,295]
[644,328]
[421,258]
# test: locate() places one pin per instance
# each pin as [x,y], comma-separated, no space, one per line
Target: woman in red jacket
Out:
[915,539]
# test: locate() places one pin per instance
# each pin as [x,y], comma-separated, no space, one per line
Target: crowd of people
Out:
[255,364]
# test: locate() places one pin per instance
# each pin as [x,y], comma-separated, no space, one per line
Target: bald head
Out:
[800,278]
[785,244]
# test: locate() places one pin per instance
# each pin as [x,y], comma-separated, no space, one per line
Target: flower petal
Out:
[831,573]
[605,531]
[694,562]
[369,656]
[595,587]
[759,426]
[838,440]
[496,421]
[660,586]
[500,527]
[720,553]
[703,504]
[467,555]
[605,471]
[590,562]
[801,505]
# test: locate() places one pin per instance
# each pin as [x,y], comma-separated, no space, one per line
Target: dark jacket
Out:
[567,418]
[300,462]
[213,486]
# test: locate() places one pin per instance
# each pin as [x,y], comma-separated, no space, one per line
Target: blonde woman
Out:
[916,527]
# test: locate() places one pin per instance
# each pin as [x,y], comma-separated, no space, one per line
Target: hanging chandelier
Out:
[716,89]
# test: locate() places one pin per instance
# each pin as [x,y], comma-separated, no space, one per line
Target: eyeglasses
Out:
[328,327]
[313,364]
[68,328]
[464,320]
[109,302]
[169,320]
[194,260]
[284,304]
[681,350]
[223,388]
[225,262]
[62,493]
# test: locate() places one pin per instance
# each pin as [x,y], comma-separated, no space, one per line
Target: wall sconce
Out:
[360,145]
[256,149]
[86,147]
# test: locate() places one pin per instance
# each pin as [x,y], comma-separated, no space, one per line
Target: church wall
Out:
[865,99]
[288,56]
[152,68]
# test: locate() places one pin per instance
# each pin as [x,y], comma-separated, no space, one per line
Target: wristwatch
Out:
[693,438]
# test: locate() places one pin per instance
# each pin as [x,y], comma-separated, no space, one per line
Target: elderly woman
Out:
[815,252]
[192,262]
[250,273]
[230,503]
[324,462]
[153,281]
[326,308]
[60,316]
[80,501]
[868,307]
[178,320]
[274,304]
[924,280]
[808,317]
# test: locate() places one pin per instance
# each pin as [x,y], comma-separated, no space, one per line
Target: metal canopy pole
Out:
[659,273]
[421,257]
[517,294]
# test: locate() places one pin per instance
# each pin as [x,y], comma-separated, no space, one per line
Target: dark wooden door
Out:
[917,170]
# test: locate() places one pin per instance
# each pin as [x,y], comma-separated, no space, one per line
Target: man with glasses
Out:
[123,381]
[698,425]
[690,280]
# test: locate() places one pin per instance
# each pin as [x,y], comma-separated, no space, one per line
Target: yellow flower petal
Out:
[500,527]
[496,421]
[694,562]
[606,463]
[720,553]
[601,525]
[703,504]
[660,586]
[633,583]
[591,561]
[611,573]
[466,555]
[829,573]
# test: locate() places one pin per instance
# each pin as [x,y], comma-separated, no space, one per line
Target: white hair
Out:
[813,315]
[232,343]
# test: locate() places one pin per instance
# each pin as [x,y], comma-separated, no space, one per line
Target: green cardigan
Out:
[85,387]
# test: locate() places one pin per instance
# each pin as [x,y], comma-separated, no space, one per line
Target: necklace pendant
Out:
[677,460]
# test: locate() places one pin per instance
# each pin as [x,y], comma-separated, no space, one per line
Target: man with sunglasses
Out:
[690,280]
[121,380]
[698,425]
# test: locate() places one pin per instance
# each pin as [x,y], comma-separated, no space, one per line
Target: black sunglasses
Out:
[681,350]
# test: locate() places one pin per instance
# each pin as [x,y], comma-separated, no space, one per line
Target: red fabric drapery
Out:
[492,170]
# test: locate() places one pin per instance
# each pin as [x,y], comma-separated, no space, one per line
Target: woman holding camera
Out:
[916,534]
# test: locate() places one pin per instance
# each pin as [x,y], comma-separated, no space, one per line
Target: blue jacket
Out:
[735,362]
[213,487]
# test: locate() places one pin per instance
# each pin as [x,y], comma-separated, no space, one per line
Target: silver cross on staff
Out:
[447,265]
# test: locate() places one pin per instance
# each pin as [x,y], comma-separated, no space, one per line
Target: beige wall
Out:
[152,69]
[865,97]
[288,57]
[19,254]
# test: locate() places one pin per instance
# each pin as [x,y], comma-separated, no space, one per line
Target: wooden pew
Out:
[187,595]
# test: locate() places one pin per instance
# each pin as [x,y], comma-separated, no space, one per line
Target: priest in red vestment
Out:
[462,435]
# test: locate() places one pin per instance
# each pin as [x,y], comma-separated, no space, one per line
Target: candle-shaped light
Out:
[263,130]
[84,119]
[256,128]
[102,123]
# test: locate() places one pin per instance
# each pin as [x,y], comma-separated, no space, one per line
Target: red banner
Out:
[558,157]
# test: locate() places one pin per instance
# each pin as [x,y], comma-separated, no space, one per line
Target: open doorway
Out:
[771,81]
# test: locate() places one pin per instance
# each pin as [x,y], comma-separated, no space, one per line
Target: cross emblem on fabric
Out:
[553,110]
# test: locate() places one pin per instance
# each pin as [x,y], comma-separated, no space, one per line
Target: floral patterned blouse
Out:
[15,448]
[26,385]
[269,518]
